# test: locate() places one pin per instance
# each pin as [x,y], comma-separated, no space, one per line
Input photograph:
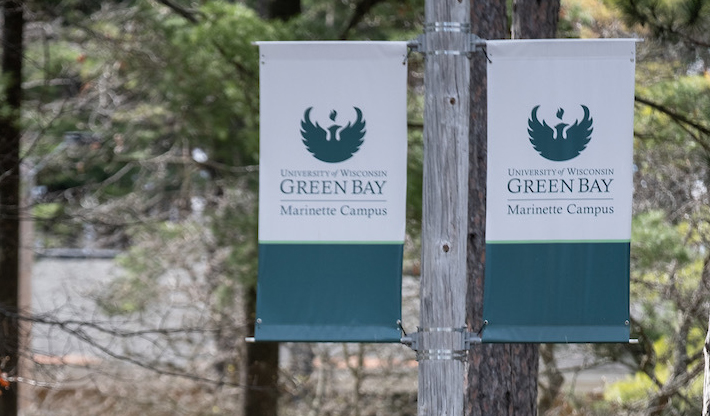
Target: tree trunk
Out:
[535,19]
[12,32]
[262,359]
[502,378]
[706,384]
[262,366]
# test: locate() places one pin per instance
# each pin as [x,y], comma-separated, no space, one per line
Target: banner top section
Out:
[560,148]
[333,142]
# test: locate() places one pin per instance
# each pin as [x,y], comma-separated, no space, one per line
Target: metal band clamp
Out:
[433,354]
[463,27]
[468,42]
[465,340]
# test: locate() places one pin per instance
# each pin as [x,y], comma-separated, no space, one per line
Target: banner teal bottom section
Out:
[329,292]
[556,292]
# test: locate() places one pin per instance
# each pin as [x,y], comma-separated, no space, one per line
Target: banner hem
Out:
[556,334]
[327,333]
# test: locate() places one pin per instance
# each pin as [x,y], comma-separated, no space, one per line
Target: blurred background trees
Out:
[140,134]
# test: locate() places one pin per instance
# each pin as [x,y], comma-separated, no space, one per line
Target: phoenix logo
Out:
[560,144]
[336,143]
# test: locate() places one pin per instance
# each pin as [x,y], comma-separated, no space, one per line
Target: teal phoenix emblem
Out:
[336,143]
[560,144]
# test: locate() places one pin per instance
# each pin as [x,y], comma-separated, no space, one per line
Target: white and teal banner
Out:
[558,214]
[332,189]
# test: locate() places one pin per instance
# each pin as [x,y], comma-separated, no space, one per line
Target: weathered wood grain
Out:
[444,223]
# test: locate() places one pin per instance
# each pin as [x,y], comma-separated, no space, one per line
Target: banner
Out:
[558,212]
[332,188]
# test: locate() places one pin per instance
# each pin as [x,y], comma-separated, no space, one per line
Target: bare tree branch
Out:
[189,15]
[361,9]
[680,119]
[78,330]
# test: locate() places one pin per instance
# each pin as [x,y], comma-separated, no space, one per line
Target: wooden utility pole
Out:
[441,336]
[501,379]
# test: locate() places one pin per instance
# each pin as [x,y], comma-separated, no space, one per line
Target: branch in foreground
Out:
[189,15]
[678,118]
[76,328]
[363,7]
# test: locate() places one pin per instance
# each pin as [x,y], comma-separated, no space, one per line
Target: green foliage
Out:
[588,19]
[43,212]
[143,264]
[670,20]
[670,231]
[664,257]
[80,8]
[58,75]
[656,243]
[164,256]
[686,98]
[668,262]
[639,387]
[149,86]
[53,226]
[635,389]
[672,146]
[237,229]
[206,77]
[128,294]
[575,15]
[146,86]
[387,20]
[213,92]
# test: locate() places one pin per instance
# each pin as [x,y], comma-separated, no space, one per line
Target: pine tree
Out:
[502,378]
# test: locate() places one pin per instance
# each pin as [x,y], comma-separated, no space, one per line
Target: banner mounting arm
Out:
[452,33]
[457,338]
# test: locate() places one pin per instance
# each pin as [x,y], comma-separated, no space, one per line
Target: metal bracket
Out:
[465,341]
[457,33]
